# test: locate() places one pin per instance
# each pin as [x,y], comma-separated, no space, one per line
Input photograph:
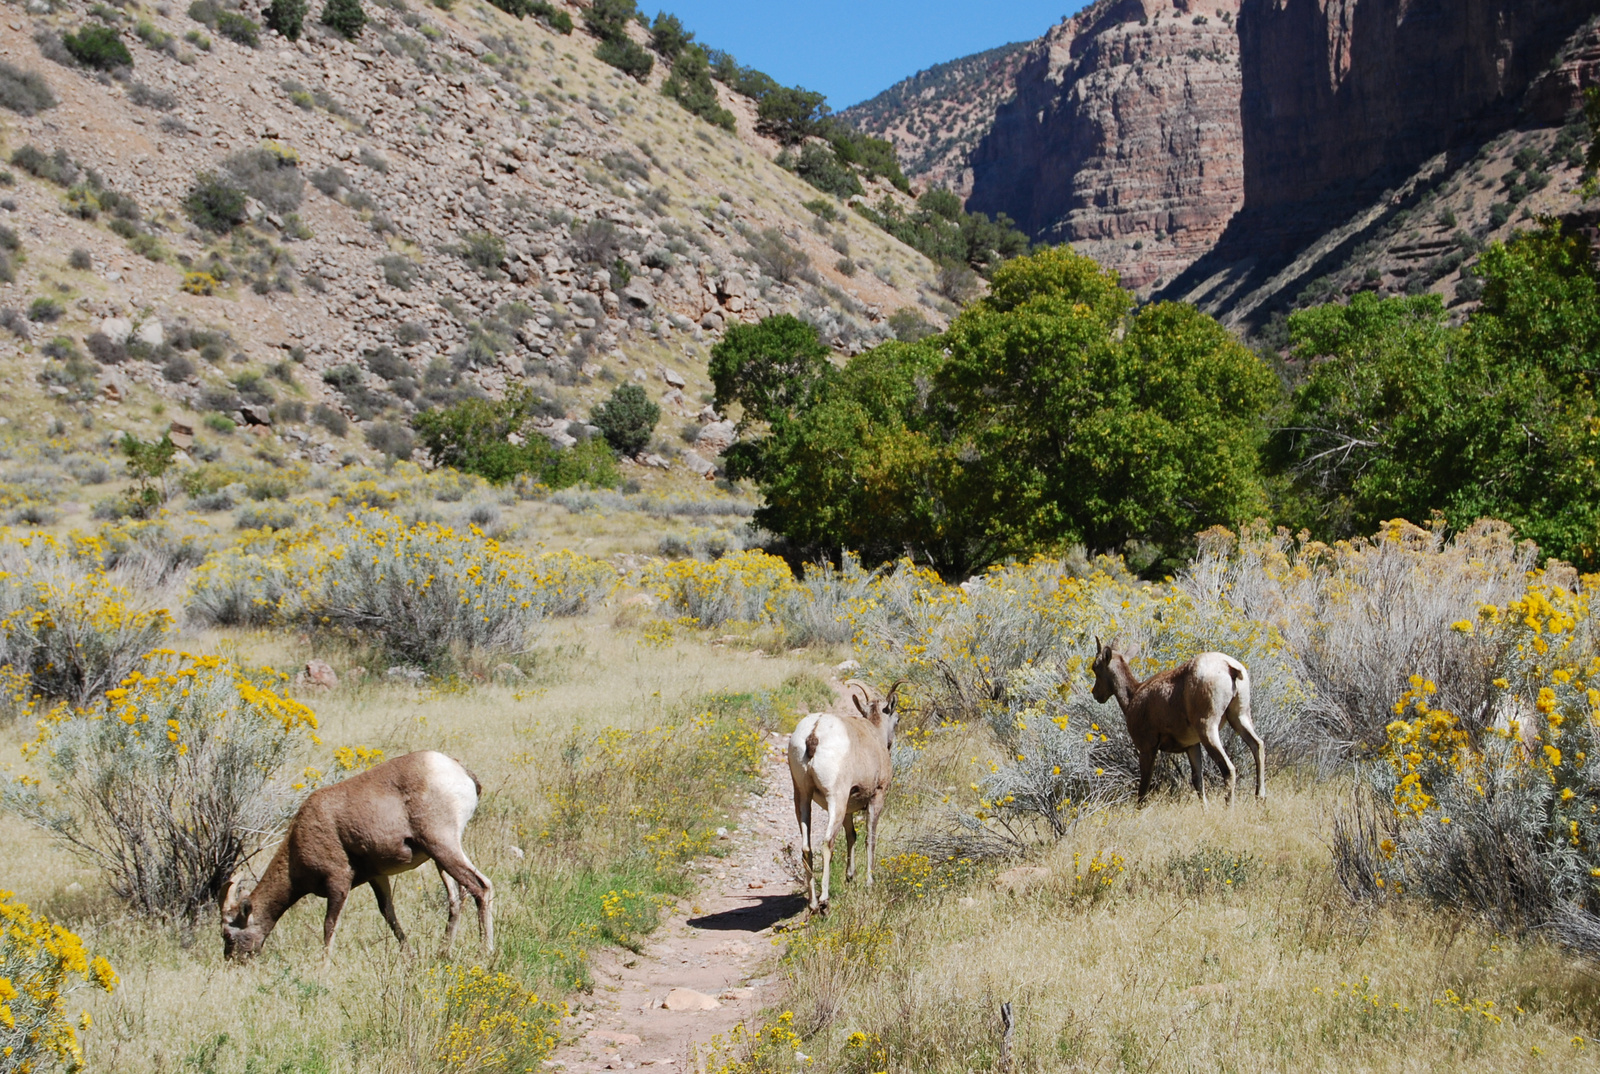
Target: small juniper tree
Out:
[627,419]
[347,17]
[148,462]
[287,17]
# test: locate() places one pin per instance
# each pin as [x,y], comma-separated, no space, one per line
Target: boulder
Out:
[699,463]
[255,414]
[687,999]
[116,329]
[321,673]
[182,435]
[673,377]
[150,333]
[638,294]
[405,673]
[657,461]
[718,437]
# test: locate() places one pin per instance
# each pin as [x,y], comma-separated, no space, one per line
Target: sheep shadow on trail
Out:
[764,910]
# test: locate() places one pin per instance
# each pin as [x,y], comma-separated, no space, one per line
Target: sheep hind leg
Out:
[1197,772]
[452,894]
[802,814]
[836,816]
[475,884]
[1245,728]
[849,847]
[385,892]
[1213,744]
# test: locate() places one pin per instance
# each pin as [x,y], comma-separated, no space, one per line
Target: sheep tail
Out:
[811,744]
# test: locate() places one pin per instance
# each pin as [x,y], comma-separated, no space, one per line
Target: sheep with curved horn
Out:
[388,820]
[1181,711]
[842,764]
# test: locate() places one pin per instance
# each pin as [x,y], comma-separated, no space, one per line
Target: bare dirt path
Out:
[717,945]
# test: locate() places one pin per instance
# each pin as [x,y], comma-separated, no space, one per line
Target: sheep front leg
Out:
[802,815]
[874,811]
[849,847]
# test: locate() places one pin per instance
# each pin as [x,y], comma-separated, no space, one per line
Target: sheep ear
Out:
[859,706]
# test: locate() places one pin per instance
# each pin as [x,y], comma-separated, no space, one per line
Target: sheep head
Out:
[241,940]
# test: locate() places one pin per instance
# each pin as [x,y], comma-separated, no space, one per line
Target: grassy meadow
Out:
[1414,891]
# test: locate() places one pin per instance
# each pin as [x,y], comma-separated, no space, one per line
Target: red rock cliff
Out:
[1124,131]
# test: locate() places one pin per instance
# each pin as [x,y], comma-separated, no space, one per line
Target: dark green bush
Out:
[24,92]
[272,178]
[476,435]
[790,114]
[627,56]
[484,251]
[288,17]
[346,17]
[45,310]
[627,420]
[668,37]
[56,167]
[99,47]
[237,28]
[214,204]
[690,85]
[821,167]
[330,419]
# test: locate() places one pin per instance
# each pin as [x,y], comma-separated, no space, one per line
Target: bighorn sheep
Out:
[1182,710]
[842,764]
[385,821]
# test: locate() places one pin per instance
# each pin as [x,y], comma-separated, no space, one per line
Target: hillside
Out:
[456,201]
[937,117]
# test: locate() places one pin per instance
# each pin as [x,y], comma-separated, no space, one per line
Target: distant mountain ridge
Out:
[936,117]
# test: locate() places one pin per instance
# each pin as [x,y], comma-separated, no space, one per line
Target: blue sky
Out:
[852,50]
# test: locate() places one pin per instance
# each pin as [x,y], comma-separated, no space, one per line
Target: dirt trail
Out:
[718,943]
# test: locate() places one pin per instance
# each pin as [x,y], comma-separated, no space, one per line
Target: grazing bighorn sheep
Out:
[842,764]
[1181,711]
[385,821]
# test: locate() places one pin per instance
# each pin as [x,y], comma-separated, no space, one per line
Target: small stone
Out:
[673,377]
[404,673]
[320,673]
[687,999]
[847,667]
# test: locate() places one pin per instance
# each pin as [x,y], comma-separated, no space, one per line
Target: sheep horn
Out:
[894,692]
[866,691]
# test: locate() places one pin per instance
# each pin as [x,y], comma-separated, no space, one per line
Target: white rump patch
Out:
[450,781]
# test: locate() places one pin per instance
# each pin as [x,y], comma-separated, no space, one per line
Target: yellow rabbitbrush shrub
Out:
[420,593]
[171,781]
[41,965]
[489,1021]
[1500,813]
[66,626]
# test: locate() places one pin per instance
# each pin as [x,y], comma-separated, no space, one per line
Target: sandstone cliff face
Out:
[936,118]
[1343,97]
[1124,136]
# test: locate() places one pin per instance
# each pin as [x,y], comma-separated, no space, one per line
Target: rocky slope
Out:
[487,205]
[1123,138]
[1382,144]
[937,117]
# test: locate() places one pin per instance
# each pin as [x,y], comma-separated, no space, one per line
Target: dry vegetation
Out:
[612,710]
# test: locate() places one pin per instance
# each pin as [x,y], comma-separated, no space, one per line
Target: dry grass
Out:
[181,1008]
[1164,969]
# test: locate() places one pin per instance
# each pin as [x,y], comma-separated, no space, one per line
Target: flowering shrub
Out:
[1500,814]
[171,780]
[489,1021]
[772,1049]
[419,593]
[745,587]
[41,964]
[65,625]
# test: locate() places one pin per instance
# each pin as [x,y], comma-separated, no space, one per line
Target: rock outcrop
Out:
[1342,98]
[1123,137]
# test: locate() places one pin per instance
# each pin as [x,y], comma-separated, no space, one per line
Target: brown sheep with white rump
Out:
[372,826]
[1181,711]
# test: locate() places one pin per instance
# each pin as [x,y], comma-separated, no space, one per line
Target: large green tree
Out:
[1403,414]
[1047,415]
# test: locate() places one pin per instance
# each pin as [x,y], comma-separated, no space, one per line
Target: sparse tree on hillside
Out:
[346,17]
[287,17]
[668,37]
[627,419]
[790,114]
